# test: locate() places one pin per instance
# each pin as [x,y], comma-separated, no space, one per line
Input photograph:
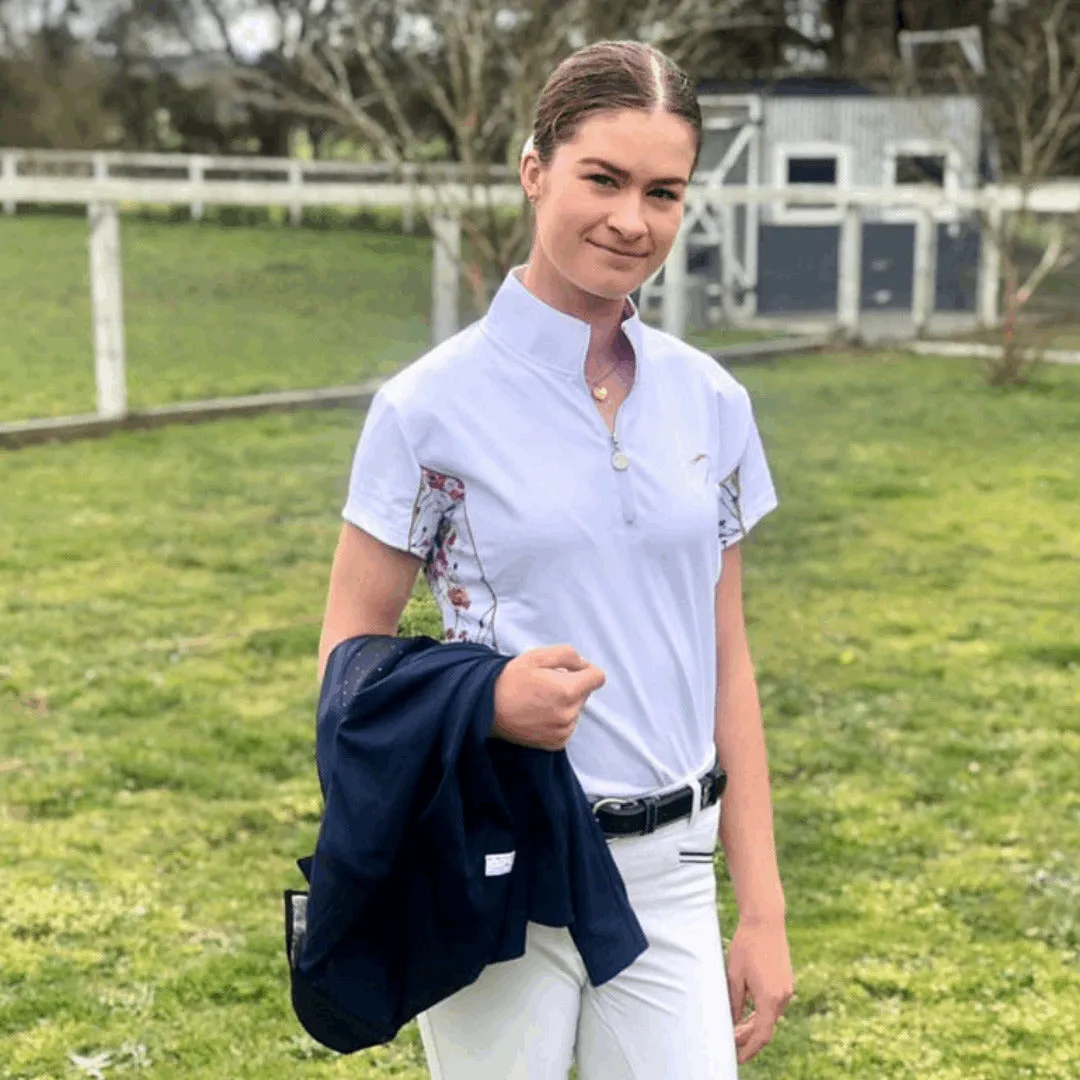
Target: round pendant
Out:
[620,460]
[599,392]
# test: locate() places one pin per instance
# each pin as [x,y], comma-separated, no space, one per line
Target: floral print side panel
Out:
[440,534]
[731,519]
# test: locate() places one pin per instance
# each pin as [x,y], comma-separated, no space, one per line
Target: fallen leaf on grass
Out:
[92,1066]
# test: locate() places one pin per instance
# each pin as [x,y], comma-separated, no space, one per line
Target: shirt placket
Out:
[621,465]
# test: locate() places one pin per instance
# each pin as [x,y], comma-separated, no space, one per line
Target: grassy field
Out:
[213,311]
[209,311]
[913,615]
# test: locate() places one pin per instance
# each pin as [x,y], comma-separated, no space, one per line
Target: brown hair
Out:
[611,75]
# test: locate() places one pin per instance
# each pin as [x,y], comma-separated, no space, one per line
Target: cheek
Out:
[559,225]
[666,227]
[664,230]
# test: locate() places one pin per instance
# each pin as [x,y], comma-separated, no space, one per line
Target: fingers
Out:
[756,1032]
[752,1037]
[561,656]
[745,1032]
[589,679]
[748,1041]
[736,993]
[566,660]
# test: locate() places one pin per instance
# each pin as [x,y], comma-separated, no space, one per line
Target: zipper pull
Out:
[619,459]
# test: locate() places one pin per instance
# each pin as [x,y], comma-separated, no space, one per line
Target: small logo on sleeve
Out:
[498,864]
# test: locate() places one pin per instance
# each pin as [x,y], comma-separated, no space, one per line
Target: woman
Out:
[575,485]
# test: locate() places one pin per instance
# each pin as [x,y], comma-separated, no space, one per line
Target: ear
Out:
[531,172]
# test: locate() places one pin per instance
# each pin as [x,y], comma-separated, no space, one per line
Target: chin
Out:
[608,285]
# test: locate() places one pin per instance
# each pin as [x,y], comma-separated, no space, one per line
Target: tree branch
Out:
[1053,257]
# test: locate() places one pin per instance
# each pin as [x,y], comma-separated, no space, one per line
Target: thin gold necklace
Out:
[600,392]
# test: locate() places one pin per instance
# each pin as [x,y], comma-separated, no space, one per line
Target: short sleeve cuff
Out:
[362,517]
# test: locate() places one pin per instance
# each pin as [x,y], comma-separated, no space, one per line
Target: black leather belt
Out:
[640,816]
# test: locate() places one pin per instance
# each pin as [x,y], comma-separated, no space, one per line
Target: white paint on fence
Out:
[9,169]
[849,285]
[675,295]
[445,277]
[197,173]
[924,285]
[973,350]
[106,295]
[296,182]
[990,269]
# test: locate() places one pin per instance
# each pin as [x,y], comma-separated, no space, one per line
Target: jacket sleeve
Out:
[371,752]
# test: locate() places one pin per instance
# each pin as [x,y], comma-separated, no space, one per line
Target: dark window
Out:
[811,170]
[920,169]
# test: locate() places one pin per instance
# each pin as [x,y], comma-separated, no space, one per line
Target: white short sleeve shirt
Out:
[489,459]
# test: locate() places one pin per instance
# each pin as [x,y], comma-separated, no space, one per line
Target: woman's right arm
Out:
[370,584]
[538,695]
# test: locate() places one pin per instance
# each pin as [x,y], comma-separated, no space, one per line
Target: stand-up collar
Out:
[528,326]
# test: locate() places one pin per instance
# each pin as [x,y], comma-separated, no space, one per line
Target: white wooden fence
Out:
[103,182]
[299,176]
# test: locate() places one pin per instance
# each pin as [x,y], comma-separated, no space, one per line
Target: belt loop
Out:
[652,804]
[695,805]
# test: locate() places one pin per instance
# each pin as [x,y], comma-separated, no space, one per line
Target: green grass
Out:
[721,336]
[209,311]
[213,311]
[912,612]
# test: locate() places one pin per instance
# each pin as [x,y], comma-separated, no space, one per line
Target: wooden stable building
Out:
[777,260]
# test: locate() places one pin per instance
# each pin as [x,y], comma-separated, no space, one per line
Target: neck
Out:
[604,316]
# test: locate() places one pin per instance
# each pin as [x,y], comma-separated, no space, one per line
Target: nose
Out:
[627,217]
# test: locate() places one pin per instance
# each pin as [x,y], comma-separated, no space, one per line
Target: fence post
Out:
[675,297]
[445,277]
[727,265]
[923,287]
[849,285]
[408,217]
[197,174]
[296,183]
[106,294]
[990,239]
[9,169]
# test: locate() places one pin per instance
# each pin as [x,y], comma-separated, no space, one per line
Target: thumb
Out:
[591,678]
[560,657]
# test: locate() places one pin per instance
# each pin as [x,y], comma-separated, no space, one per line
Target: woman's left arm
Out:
[759,960]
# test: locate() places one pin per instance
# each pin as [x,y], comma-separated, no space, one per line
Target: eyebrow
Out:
[622,174]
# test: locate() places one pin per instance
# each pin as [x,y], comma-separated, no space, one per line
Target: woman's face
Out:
[609,204]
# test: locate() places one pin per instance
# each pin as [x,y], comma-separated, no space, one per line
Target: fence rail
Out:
[301,180]
[67,176]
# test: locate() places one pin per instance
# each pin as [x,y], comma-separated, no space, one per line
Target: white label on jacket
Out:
[496,865]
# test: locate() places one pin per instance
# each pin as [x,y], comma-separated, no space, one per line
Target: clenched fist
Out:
[539,695]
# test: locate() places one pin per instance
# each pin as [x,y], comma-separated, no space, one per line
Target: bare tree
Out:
[1028,76]
[1034,72]
[420,79]
[51,85]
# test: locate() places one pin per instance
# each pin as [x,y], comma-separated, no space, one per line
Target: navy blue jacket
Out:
[437,844]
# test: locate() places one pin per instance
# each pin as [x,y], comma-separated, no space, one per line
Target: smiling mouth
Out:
[615,251]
